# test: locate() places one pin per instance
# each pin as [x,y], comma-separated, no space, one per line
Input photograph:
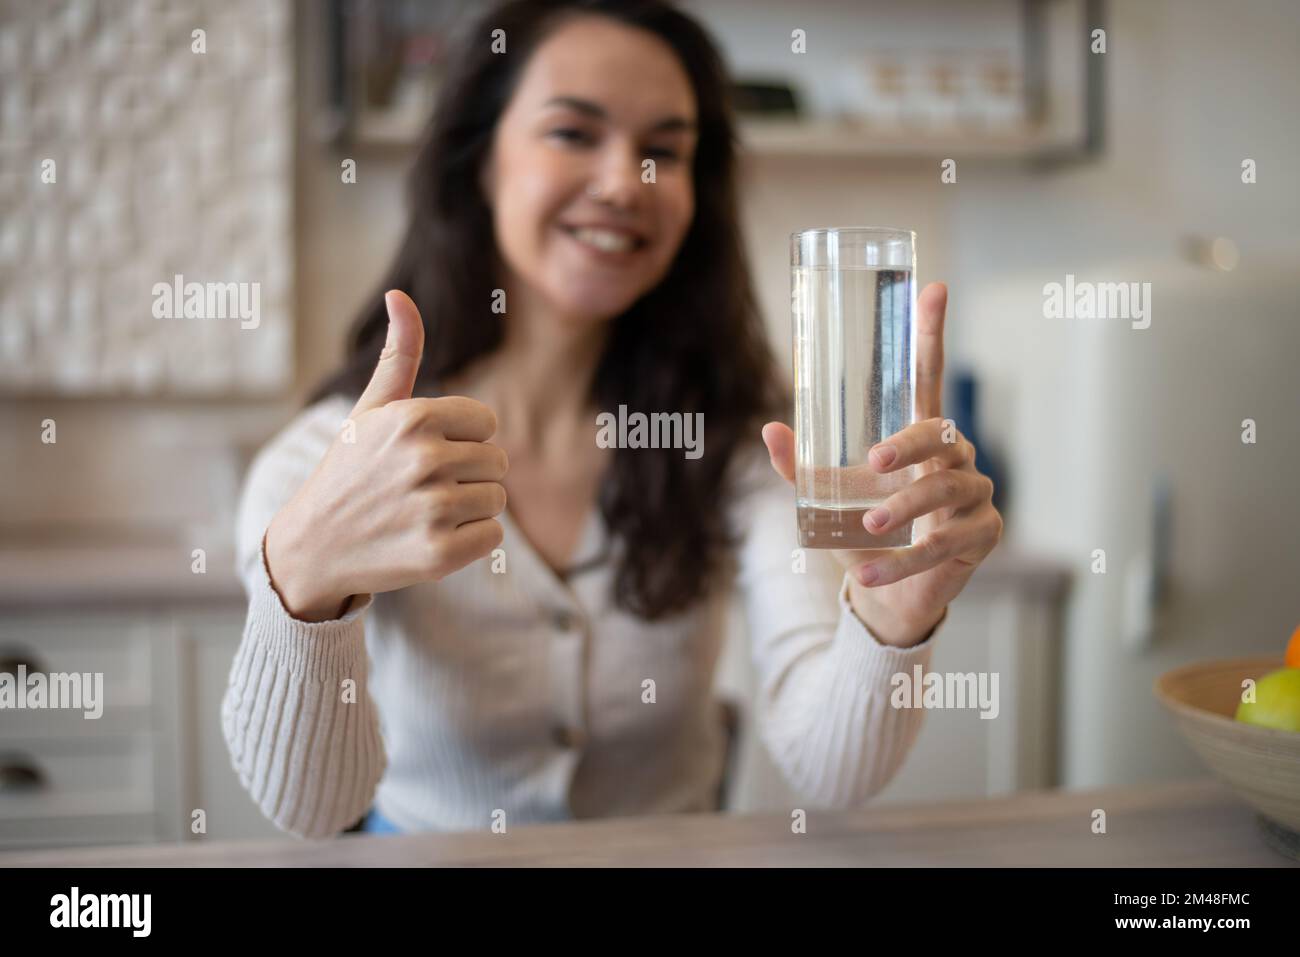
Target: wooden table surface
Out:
[1191,823]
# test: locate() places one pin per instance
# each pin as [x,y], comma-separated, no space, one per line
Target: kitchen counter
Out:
[39,574]
[1150,826]
[62,576]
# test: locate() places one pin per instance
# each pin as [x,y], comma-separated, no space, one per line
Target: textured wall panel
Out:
[167,161]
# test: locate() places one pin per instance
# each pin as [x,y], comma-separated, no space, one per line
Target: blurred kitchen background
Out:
[1117,166]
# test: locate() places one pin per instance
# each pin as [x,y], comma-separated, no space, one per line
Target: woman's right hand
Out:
[406,492]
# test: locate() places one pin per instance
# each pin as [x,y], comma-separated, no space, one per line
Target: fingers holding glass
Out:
[946,488]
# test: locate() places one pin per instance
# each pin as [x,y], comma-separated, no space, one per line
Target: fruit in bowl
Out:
[1276,700]
[1293,649]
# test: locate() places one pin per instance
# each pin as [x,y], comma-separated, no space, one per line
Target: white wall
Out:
[1089,411]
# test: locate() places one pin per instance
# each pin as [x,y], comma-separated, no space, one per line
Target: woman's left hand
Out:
[902,593]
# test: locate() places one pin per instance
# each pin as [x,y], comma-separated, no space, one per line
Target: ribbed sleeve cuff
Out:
[864,655]
[308,648]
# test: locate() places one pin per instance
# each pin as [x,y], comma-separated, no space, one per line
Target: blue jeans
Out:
[375,823]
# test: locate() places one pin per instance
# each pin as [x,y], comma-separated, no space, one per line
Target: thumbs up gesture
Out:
[410,497]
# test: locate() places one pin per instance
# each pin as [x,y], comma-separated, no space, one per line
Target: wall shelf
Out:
[831,138]
[1048,112]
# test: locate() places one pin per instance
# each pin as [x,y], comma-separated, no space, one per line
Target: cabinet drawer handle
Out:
[17,776]
[12,658]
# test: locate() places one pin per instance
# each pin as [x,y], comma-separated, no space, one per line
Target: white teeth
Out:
[605,239]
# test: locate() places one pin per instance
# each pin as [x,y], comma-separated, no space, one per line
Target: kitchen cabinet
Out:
[163,639]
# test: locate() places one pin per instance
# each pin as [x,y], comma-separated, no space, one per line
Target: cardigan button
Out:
[561,620]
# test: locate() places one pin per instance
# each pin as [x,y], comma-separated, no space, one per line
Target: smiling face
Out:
[596,99]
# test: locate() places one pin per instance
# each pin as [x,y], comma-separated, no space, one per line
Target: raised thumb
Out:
[394,375]
[779,439]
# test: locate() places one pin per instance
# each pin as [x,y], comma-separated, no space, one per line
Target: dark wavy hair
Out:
[693,343]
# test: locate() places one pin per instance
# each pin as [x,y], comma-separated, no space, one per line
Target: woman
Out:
[554,658]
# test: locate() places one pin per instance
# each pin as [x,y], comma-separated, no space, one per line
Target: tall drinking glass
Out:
[853,298]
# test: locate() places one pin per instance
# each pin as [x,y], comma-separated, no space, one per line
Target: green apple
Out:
[1277,701]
